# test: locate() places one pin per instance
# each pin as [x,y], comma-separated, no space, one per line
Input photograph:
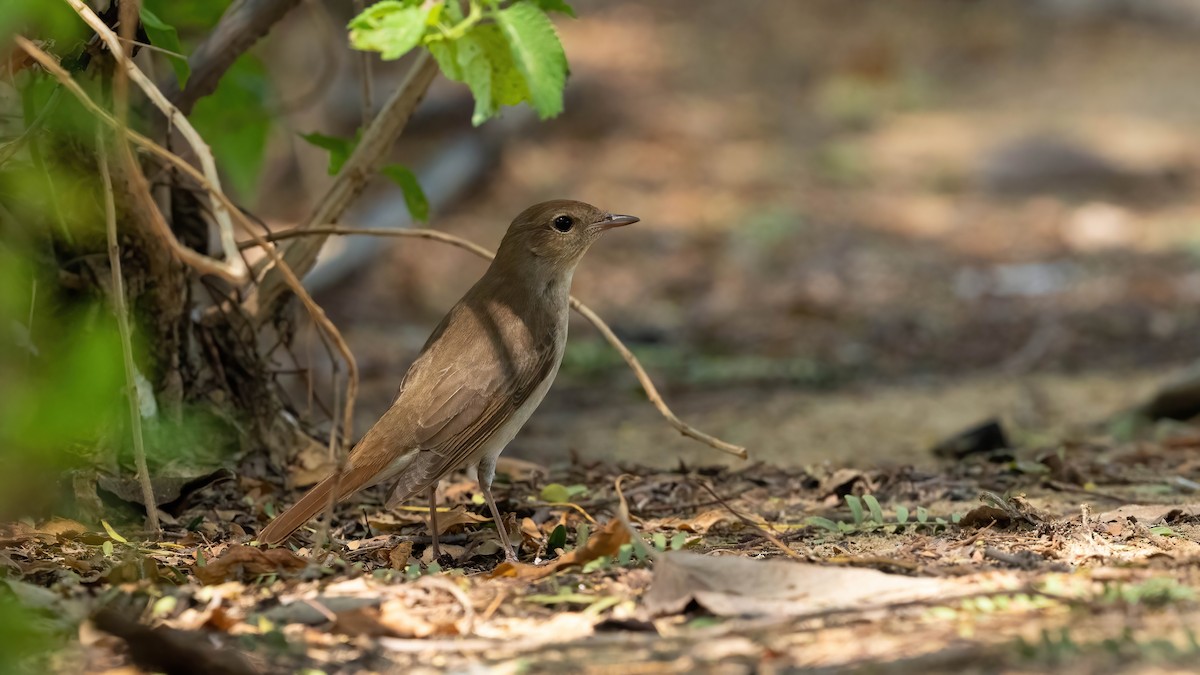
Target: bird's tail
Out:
[309,505]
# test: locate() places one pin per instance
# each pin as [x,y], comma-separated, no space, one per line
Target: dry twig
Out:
[239,28]
[122,312]
[232,267]
[584,310]
[377,140]
[203,263]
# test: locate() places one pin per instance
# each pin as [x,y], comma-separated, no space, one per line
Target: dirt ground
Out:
[866,227]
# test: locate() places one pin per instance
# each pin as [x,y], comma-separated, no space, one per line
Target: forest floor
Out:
[1076,558]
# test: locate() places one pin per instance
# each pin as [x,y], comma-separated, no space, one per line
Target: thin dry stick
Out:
[232,264]
[198,261]
[331,331]
[122,312]
[762,530]
[364,72]
[584,310]
[202,263]
[377,140]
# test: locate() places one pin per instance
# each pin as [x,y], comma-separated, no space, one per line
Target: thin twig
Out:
[242,24]
[190,257]
[762,530]
[584,310]
[232,264]
[364,73]
[122,312]
[204,263]
[377,141]
[9,149]
[331,331]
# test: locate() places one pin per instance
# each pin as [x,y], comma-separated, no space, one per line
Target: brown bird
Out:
[481,374]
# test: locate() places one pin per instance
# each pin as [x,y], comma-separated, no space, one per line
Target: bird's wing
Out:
[456,404]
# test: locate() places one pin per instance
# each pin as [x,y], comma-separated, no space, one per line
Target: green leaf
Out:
[339,149]
[856,508]
[678,541]
[873,505]
[107,547]
[482,60]
[557,539]
[537,53]
[581,535]
[902,514]
[391,28]
[660,541]
[235,122]
[112,534]
[555,493]
[555,6]
[414,196]
[165,36]
[823,523]
[922,514]
[624,554]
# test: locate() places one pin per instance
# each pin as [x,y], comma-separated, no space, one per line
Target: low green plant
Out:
[867,516]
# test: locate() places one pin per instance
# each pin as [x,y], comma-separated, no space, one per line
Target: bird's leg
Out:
[486,472]
[433,528]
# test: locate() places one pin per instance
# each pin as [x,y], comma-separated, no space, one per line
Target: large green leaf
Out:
[164,35]
[537,54]
[391,27]
[482,60]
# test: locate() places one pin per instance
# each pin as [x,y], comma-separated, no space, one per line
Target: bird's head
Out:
[550,238]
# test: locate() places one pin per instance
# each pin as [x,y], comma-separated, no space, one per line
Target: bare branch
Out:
[587,313]
[318,315]
[122,312]
[190,257]
[239,28]
[233,263]
[370,152]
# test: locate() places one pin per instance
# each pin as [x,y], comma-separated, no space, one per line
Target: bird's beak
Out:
[612,220]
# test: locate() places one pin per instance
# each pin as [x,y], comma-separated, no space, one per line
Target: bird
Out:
[485,368]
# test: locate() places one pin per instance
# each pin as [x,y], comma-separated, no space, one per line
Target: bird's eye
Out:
[563,223]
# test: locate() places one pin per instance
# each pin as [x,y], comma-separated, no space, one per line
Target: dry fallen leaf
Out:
[703,522]
[604,542]
[1149,514]
[398,556]
[457,516]
[244,562]
[735,586]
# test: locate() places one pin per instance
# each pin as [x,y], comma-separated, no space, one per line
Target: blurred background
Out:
[865,226]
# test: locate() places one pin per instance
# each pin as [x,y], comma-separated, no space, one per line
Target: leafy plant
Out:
[506,53]
[867,516]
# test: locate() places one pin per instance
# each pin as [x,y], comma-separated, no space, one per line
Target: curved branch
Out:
[377,140]
[239,28]
[630,359]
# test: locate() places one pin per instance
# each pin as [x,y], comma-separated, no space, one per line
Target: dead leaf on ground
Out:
[982,516]
[1148,514]
[735,586]
[520,469]
[605,542]
[312,464]
[456,517]
[423,609]
[398,556]
[244,562]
